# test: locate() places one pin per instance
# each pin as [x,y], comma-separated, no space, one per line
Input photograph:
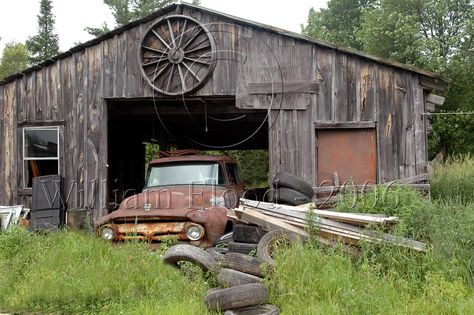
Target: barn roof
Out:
[442,80]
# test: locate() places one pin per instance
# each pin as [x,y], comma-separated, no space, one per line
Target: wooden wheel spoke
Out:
[173,40]
[197,61]
[160,72]
[182,33]
[202,41]
[181,76]
[197,49]
[192,72]
[153,62]
[168,84]
[162,52]
[192,38]
[161,39]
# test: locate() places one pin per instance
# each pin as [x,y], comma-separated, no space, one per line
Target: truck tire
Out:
[216,253]
[267,244]
[245,233]
[244,263]
[237,297]
[291,181]
[290,196]
[265,309]
[196,255]
[244,248]
[231,278]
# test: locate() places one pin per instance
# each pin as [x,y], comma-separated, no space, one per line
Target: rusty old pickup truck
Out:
[185,197]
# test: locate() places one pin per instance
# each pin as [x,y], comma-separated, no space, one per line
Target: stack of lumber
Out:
[330,227]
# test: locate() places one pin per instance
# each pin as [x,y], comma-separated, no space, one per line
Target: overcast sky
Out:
[18,17]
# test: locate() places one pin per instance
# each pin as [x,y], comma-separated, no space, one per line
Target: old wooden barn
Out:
[189,77]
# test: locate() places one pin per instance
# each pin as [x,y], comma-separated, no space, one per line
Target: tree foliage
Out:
[433,34]
[14,59]
[45,44]
[126,11]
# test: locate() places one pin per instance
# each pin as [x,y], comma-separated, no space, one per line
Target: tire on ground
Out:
[291,181]
[265,309]
[231,278]
[185,252]
[290,196]
[216,253]
[267,244]
[237,297]
[248,233]
[244,248]
[244,263]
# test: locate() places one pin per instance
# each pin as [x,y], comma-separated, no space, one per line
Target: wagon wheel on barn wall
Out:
[177,55]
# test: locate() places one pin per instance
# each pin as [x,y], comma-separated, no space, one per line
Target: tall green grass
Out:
[77,273]
[454,180]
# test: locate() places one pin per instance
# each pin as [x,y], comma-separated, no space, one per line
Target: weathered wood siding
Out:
[72,93]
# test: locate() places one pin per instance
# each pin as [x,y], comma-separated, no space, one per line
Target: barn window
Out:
[40,152]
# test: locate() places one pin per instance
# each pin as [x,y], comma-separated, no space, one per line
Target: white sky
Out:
[18,17]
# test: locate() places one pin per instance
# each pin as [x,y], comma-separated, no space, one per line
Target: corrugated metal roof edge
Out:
[265,27]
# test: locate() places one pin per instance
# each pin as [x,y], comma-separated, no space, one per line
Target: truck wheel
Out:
[231,278]
[291,181]
[185,252]
[236,297]
[266,309]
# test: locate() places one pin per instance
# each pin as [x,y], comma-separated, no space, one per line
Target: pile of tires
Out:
[291,190]
[240,277]
[245,238]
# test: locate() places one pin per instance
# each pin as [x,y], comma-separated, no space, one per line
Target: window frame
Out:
[24,158]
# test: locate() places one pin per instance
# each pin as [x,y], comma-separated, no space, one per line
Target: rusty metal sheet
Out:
[351,153]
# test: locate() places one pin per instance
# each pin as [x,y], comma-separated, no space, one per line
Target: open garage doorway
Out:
[211,125]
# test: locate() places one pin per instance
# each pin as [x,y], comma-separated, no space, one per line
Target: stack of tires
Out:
[245,238]
[240,277]
[291,190]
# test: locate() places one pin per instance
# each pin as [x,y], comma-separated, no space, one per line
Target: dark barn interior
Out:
[201,123]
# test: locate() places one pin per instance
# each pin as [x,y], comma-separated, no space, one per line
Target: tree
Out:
[14,59]
[45,44]
[126,11]
[339,23]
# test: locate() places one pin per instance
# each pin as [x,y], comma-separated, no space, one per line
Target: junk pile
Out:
[12,215]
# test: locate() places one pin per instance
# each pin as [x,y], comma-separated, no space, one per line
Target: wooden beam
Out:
[40,123]
[344,125]
[435,99]
[432,83]
[282,88]
[430,107]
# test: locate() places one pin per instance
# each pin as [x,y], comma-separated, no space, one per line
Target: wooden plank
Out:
[255,88]
[420,139]
[324,70]
[340,88]
[408,136]
[37,123]
[40,95]
[268,223]
[367,188]
[9,136]
[80,94]
[351,89]
[346,229]
[367,90]
[344,125]
[432,83]
[2,140]
[399,92]
[55,111]
[30,96]
[435,99]
[430,107]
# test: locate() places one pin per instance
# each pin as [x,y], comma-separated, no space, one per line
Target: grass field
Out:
[76,273]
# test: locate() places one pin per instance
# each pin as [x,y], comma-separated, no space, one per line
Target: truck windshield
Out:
[184,174]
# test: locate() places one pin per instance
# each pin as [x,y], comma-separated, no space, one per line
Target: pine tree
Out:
[45,44]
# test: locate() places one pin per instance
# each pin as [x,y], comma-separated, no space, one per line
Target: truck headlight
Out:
[194,232]
[107,233]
